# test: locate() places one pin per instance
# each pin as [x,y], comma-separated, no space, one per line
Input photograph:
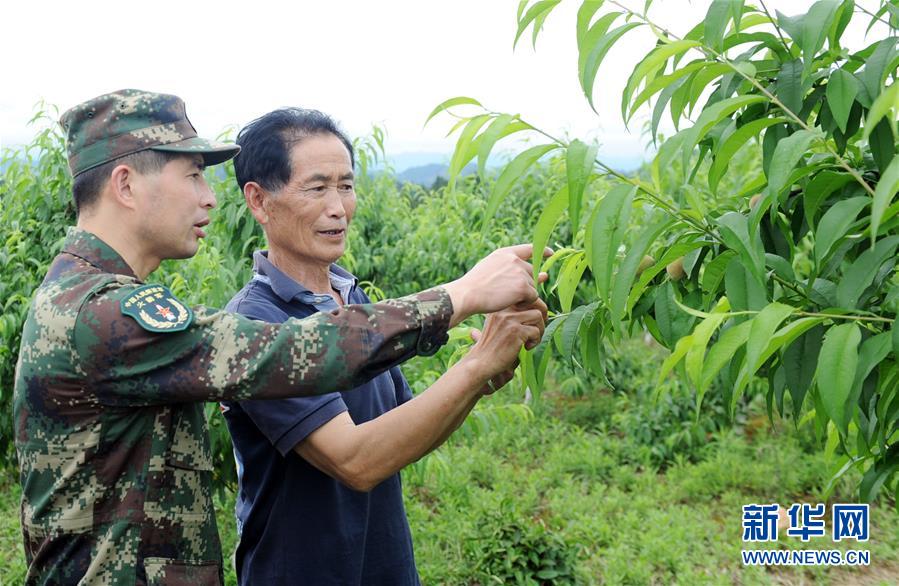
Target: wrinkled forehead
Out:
[320,155]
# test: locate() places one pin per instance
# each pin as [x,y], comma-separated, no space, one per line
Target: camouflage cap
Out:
[127,121]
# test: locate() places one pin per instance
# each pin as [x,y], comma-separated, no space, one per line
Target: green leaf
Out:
[886,103]
[536,14]
[763,327]
[701,336]
[875,477]
[627,271]
[608,226]
[788,334]
[835,223]
[716,20]
[872,352]
[547,221]
[596,44]
[652,62]
[512,173]
[569,277]
[837,363]
[883,195]
[815,26]
[725,152]
[714,271]
[841,21]
[862,271]
[819,189]
[711,116]
[570,330]
[502,126]
[465,148]
[883,144]
[800,360]
[734,229]
[579,166]
[743,289]
[547,339]
[787,154]
[584,15]
[876,66]
[680,350]
[895,338]
[676,251]
[722,353]
[841,91]
[663,81]
[789,85]
[781,266]
[458,101]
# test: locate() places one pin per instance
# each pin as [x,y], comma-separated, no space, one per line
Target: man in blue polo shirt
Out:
[320,499]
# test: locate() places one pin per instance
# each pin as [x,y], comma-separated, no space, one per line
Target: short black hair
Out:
[86,186]
[265,144]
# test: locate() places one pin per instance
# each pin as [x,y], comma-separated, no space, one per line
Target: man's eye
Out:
[345,188]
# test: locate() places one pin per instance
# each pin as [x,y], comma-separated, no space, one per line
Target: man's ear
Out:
[256,196]
[120,185]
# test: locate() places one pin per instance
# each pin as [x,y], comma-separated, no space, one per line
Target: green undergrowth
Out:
[571,497]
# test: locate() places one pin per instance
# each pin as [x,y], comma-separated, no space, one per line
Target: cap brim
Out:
[213,152]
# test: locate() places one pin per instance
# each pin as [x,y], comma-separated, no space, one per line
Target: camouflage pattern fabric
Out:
[110,429]
[128,121]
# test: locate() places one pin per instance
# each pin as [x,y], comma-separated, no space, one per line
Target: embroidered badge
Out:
[157,310]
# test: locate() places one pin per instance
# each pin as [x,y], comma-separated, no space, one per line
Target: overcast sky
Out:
[363,62]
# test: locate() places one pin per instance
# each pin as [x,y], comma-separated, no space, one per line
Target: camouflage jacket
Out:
[110,428]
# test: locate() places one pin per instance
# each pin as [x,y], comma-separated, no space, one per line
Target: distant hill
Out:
[427,174]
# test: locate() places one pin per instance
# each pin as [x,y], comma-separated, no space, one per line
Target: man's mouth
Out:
[198,228]
[335,233]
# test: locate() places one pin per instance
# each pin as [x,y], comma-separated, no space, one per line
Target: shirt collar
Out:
[89,247]
[289,289]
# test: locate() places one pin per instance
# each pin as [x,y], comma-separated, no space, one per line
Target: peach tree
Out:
[778,271]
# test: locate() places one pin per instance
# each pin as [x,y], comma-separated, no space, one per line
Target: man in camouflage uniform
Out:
[112,372]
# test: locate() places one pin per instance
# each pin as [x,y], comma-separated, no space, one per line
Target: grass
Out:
[578,493]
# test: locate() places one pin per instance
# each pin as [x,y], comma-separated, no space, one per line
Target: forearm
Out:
[456,424]
[364,455]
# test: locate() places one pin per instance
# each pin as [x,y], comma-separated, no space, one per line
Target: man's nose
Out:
[208,200]
[335,207]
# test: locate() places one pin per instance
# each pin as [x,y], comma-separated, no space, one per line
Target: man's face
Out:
[173,206]
[308,217]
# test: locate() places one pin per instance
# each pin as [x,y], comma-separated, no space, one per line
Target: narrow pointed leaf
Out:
[594,51]
[862,271]
[501,127]
[722,353]
[608,226]
[836,222]
[512,173]
[883,195]
[624,278]
[701,336]
[465,148]
[837,364]
[547,221]
[569,277]
[842,87]
[579,166]
[787,154]
[725,152]
[458,101]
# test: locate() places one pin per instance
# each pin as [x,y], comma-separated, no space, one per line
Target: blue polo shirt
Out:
[298,525]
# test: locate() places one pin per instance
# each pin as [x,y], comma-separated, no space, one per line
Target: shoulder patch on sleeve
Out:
[157,310]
